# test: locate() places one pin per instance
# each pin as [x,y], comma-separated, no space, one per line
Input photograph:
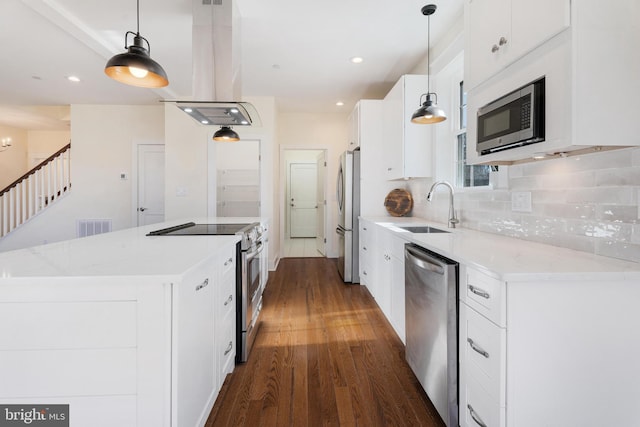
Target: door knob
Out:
[141,209]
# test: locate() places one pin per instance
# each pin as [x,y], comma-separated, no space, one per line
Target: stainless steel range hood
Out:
[216,67]
[215,113]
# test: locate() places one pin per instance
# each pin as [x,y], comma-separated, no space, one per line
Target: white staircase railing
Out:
[35,190]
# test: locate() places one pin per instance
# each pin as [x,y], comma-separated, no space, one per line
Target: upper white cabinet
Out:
[406,147]
[365,129]
[591,75]
[500,31]
[365,123]
[354,128]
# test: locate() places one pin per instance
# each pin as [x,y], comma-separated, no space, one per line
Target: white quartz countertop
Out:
[127,252]
[511,259]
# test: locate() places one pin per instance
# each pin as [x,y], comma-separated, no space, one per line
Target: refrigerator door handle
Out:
[340,189]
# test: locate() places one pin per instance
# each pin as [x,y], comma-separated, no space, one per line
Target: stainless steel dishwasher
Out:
[431,283]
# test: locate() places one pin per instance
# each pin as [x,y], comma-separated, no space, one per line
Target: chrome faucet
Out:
[452,213]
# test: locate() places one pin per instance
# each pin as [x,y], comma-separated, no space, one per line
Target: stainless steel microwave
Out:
[513,120]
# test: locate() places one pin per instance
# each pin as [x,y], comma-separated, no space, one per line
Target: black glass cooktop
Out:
[193,229]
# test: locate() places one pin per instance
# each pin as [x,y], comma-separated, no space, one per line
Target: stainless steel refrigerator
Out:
[348,197]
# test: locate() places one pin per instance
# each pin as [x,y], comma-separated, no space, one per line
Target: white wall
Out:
[13,161]
[103,138]
[316,131]
[43,143]
[186,164]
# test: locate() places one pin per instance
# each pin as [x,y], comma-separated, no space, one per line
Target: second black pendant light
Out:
[226,134]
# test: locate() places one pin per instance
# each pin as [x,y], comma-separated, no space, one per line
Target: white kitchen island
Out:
[121,326]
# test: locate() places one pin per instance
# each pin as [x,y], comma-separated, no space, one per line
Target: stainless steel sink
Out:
[423,229]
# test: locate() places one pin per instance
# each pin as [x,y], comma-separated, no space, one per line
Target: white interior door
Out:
[150,206]
[321,202]
[302,203]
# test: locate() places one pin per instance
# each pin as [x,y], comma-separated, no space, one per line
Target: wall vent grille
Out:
[89,227]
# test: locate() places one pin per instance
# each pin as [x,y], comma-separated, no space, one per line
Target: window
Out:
[467,175]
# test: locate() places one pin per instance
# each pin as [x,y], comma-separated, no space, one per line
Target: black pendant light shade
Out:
[226,134]
[429,112]
[135,67]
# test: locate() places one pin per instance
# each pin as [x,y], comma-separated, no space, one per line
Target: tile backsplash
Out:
[588,203]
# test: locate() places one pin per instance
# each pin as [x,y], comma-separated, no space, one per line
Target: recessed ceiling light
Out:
[339,103]
[357,59]
[188,110]
[204,122]
[74,79]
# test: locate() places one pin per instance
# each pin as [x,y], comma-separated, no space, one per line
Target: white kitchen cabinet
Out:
[497,32]
[354,128]
[365,124]
[382,250]
[366,252]
[406,150]
[382,259]
[225,316]
[597,54]
[482,348]
[397,317]
[547,351]
[194,373]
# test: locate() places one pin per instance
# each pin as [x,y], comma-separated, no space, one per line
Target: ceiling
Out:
[297,51]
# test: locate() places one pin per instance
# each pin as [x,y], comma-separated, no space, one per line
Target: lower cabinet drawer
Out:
[478,408]
[484,293]
[482,353]
[482,348]
[365,273]
[227,345]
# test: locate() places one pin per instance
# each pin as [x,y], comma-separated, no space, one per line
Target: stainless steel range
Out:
[248,275]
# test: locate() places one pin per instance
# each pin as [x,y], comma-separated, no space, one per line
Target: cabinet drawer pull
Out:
[480,292]
[229,348]
[228,300]
[477,349]
[475,416]
[203,284]
[502,41]
[227,262]
[494,48]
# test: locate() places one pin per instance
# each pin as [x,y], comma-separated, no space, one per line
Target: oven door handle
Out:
[253,254]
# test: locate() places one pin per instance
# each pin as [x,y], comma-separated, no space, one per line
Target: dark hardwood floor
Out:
[325,355]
